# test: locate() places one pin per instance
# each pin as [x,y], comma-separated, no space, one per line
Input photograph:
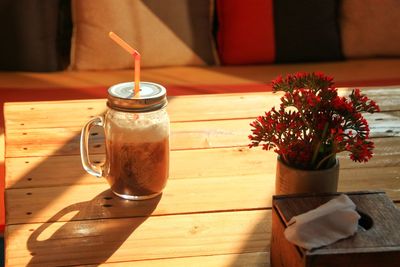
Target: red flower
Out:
[313,123]
[361,150]
[277,80]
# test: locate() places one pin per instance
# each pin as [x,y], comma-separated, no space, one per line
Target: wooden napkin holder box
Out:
[377,245]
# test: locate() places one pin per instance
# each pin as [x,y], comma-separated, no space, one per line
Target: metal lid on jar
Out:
[152,97]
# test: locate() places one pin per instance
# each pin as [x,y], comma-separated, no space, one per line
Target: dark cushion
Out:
[307,30]
[35,34]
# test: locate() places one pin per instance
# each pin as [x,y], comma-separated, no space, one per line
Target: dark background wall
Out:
[35,35]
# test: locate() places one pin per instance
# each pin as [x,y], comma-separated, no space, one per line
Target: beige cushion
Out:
[166,33]
[370,28]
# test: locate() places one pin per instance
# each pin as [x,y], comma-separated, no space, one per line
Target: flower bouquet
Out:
[313,123]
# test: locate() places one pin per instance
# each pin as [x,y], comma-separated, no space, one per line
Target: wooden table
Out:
[216,208]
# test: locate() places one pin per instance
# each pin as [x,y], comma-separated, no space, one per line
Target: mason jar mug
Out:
[137,141]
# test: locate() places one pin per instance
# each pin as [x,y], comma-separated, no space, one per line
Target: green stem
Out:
[324,159]
[316,151]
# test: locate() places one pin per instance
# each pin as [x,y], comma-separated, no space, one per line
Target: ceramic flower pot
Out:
[292,181]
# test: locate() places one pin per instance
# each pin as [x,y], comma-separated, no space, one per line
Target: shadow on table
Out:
[255,250]
[79,241]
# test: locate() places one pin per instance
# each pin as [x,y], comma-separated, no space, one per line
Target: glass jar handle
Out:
[84,147]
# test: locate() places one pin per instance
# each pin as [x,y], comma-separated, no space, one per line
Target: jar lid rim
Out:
[152,96]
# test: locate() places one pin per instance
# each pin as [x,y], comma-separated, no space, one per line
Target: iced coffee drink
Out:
[136,130]
[138,155]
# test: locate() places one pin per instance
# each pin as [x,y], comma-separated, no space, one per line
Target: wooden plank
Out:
[239,192]
[181,108]
[184,135]
[384,124]
[52,141]
[187,135]
[259,259]
[375,179]
[386,154]
[44,171]
[28,172]
[386,99]
[156,237]
[235,192]
[48,115]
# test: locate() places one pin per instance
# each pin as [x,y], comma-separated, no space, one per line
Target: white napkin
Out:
[324,225]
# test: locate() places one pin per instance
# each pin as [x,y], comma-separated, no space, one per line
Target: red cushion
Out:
[245,31]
